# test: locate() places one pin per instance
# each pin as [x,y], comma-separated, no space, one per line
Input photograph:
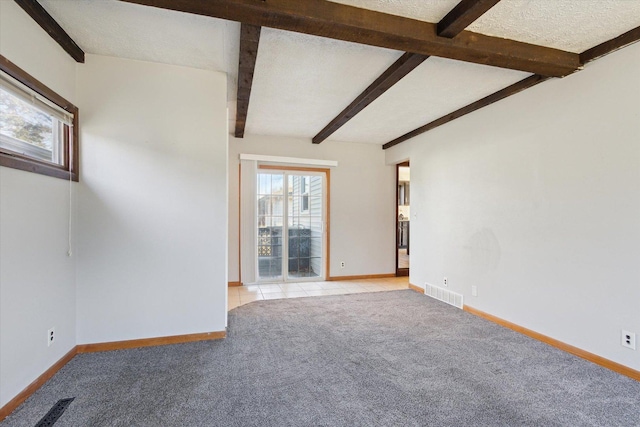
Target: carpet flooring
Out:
[371,359]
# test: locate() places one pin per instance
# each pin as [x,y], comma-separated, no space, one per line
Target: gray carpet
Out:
[373,359]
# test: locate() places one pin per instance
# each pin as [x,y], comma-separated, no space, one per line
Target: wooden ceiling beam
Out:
[488,100]
[403,66]
[249,40]
[588,55]
[348,23]
[609,46]
[46,21]
[462,16]
[454,22]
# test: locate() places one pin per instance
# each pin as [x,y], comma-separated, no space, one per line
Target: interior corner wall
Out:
[152,200]
[362,201]
[37,278]
[536,201]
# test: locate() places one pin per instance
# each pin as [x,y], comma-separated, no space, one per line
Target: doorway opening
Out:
[403,217]
[291,232]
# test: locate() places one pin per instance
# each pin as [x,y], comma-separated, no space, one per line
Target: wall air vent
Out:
[444,295]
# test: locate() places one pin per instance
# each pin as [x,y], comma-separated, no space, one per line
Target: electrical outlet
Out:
[474,291]
[51,336]
[445,282]
[628,340]
[342,264]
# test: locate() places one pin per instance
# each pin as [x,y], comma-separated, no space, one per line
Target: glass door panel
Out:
[270,226]
[306,226]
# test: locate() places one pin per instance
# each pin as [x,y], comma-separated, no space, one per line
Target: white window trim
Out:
[289,160]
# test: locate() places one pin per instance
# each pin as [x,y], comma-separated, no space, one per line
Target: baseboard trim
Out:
[232,284]
[150,342]
[416,288]
[361,277]
[11,406]
[594,358]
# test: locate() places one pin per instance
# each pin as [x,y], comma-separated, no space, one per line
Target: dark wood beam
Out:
[588,55]
[403,66]
[488,100]
[462,16]
[609,46]
[249,40]
[46,21]
[342,22]
[464,13]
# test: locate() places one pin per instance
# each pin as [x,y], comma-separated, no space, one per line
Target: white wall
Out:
[362,201]
[152,202]
[536,201]
[37,278]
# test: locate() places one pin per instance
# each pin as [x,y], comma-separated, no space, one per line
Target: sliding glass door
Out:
[290,225]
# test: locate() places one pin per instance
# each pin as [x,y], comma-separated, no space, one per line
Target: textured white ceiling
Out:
[435,88]
[572,25]
[301,82]
[125,30]
[429,10]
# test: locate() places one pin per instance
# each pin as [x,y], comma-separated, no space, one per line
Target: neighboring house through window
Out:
[304,187]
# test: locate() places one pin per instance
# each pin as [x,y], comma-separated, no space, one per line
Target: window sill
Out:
[14,162]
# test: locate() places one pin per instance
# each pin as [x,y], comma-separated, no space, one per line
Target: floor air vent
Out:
[444,295]
[55,413]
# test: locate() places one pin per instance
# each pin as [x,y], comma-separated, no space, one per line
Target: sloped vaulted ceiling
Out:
[302,82]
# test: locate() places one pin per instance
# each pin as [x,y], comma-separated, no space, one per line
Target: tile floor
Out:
[240,295]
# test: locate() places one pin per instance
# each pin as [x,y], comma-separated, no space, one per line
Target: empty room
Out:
[319,213]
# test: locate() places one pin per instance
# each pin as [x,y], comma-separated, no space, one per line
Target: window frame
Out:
[69,169]
[304,195]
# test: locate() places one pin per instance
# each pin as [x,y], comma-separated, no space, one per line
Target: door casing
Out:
[327,216]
